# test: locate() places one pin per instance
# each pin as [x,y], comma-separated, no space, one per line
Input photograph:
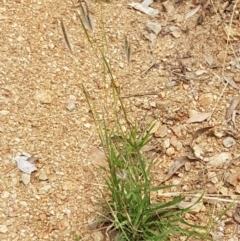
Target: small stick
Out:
[143,94]
[187,78]
[205,197]
[10,170]
[152,66]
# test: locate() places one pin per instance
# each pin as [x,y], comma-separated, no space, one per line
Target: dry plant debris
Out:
[194,52]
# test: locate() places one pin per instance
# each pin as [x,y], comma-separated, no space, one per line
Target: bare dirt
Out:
[44,112]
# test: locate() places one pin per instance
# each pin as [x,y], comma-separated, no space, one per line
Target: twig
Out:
[188,78]
[225,57]
[83,146]
[154,65]
[10,170]
[52,116]
[205,197]
[143,94]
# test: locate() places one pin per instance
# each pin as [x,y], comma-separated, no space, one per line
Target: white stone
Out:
[43,176]
[26,178]
[166,143]
[5,194]
[4,112]
[23,203]
[71,106]
[44,96]
[229,142]
[212,176]
[3,228]
[220,159]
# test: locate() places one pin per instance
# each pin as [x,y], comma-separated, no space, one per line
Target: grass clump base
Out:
[129,208]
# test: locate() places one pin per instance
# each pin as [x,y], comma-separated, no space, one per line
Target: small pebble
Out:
[121,64]
[177,130]
[206,99]
[187,166]
[146,106]
[138,103]
[3,228]
[170,151]
[26,178]
[229,213]
[179,146]
[173,141]
[162,131]
[220,159]
[166,143]
[43,176]
[229,142]
[212,190]
[153,104]
[4,112]
[98,236]
[212,176]
[71,106]
[171,84]
[44,96]
[233,239]
[5,194]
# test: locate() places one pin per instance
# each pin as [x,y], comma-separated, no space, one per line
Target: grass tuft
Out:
[129,210]
[129,207]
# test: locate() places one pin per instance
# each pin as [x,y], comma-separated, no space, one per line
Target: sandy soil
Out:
[44,112]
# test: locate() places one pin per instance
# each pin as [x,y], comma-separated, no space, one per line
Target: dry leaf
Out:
[147,148]
[177,130]
[220,159]
[176,165]
[24,165]
[97,157]
[154,27]
[234,117]
[63,224]
[175,31]
[198,151]
[200,72]
[236,215]
[198,117]
[233,178]
[147,3]
[169,7]
[86,15]
[147,10]
[95,223]
[152,39]
[208,59]
[33,159]
[230,81]
[198,133]
[234,103]
[231,32]
[193,12]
